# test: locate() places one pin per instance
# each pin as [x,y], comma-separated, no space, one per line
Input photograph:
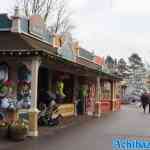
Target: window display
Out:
[24,95]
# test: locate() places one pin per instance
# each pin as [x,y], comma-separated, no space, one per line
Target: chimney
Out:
[16,21]
[16,11]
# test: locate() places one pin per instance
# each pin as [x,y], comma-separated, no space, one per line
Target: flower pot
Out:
[3,132]
[17,133]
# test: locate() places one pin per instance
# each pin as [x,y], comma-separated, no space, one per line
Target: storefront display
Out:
[14,95]
[60,90]
[7,101]
[34,74]
[24,95]
[24,88]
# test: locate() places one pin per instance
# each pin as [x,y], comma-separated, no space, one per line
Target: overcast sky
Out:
[109,27]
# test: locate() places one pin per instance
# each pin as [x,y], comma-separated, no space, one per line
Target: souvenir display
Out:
[4,103]
[24,95]
[6,100]
[24,88]
[60,90]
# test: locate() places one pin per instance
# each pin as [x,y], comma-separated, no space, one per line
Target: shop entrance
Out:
[43,79]
[43,84]
[55,96]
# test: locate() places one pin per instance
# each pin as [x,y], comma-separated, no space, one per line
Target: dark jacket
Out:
[145,99]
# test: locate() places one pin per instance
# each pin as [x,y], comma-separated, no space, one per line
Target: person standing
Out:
[145,100]
[82,99]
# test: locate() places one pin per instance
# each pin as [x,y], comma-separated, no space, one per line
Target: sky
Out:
[109,27]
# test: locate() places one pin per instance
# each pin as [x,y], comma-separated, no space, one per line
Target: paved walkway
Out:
[91,133]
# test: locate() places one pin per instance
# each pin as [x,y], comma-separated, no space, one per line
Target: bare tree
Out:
[54,10]
[63,21]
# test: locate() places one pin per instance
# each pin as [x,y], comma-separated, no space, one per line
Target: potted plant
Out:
[18,130]
[3,129]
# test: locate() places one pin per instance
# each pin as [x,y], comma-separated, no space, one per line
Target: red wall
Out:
[106,106]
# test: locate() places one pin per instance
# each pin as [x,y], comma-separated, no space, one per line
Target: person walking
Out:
[145,100]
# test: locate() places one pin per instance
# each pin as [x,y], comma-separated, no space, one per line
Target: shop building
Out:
[35,61]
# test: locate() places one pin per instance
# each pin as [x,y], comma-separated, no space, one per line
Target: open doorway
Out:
[43,78]
[43,84]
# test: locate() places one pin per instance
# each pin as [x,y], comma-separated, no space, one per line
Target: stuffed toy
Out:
[24,95]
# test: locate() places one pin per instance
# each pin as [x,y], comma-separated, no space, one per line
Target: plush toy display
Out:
[4,103]
[6,91]
[24,95]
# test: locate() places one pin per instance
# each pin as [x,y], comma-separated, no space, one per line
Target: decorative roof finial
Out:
[17,11]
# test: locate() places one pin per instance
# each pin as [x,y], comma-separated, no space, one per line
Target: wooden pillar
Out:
[98,89]
[75,93]
[33,112]
[50,80]
[113,95]
[98,98]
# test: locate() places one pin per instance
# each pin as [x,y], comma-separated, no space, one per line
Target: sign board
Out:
[37,26]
